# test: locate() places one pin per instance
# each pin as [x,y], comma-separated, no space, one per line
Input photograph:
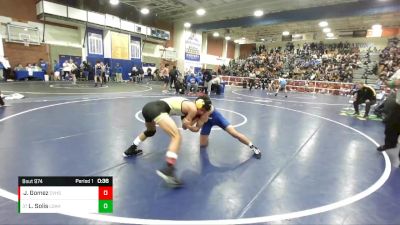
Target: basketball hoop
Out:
[26,42]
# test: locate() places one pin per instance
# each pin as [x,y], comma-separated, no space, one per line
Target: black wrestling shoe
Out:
[168,175]
[256,152]
[132,151]
[384,148]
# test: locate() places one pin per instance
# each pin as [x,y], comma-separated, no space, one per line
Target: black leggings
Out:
[1,101]
[153,109]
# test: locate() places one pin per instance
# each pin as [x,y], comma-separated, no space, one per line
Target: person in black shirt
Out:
[173,74]
[364,94]
[207,84]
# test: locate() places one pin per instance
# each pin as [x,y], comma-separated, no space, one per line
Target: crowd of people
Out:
[389,60]
[314,61]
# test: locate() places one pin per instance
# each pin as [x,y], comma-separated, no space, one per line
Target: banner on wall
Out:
[95,44]
[136,52]
[119,46]
[192,46]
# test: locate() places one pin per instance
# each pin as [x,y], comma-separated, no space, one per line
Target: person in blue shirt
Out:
[43,65]
[192,82]
[118,72]
[282,86]
[215,118]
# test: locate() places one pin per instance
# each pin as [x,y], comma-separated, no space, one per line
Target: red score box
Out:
[105,193]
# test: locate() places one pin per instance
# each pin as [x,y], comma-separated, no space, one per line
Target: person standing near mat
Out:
[392,118]
[1,101]
[216,119]
[160,112]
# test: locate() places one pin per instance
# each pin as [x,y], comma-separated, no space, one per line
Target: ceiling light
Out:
[201,12]
[243,38]
[236,41]
[258,13]
[227,38]
[114,2]
[323,24]
[285,33]
[145,11]
[262,39]
[377,27]
[330,35]
[216,34]
[326,30]
[187,25]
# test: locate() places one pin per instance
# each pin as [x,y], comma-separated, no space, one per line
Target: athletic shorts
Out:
[216,119]
[166,80]
[155,111]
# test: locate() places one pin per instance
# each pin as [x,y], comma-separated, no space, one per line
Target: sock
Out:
[171,158]
[137,141]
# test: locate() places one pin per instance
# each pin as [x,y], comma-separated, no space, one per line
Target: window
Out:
[135,50]
[95,44]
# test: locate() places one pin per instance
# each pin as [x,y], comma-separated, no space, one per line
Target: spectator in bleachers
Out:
[389,60]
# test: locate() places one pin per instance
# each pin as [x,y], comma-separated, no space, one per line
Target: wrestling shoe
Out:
[132,151]
[168,175]
[256,152]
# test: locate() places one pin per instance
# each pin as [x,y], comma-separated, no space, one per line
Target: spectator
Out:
[392,119]
[173,75]
[56,70]
[43,65]
[6,68]
[207,81]
[364,94]
[149,74]
[192,83]
[165,77]
[118,72]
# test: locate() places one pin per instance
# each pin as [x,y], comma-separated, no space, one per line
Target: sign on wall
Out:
[95,44]
[119,46]
[135,49]
[192,46]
